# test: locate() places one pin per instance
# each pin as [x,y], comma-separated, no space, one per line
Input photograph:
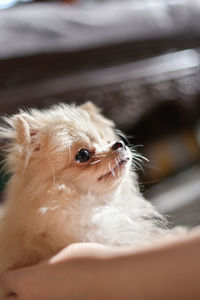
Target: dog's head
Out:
[74,145]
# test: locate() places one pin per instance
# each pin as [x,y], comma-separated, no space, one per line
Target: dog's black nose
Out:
[118,145]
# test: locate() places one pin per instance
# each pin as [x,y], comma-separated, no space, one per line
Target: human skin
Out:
[169,270]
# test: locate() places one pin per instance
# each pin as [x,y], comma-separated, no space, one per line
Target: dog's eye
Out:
[83,155]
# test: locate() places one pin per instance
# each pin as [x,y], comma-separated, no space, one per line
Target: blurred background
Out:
[139,60]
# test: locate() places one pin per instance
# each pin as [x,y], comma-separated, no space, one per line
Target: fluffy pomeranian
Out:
[73,180]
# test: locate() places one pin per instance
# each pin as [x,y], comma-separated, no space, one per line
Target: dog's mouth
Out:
[113,171]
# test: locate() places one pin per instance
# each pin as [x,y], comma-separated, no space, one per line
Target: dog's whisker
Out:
[97,155]
[117,163]
[138,156]
[95,162]
[137,166]
[111,170]
[109,166]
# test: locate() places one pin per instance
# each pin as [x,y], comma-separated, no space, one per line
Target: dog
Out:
[72,180]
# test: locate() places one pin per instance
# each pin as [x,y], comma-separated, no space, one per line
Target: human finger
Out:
[12,297]
[8,281]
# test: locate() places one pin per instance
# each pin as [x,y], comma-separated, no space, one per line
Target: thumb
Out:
[9,282]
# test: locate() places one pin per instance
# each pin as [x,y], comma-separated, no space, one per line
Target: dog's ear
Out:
[96,116]
[26,132]
[90,107]
[19,128]
[22,130]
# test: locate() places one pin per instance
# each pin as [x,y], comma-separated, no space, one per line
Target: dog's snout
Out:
[118,145]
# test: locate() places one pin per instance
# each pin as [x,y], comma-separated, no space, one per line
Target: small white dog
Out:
[72,181]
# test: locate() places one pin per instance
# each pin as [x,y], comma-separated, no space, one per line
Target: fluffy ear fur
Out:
[90,107]
[20,133]
[23,134]
[95,113]
[19,128]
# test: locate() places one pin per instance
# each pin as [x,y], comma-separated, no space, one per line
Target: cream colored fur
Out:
[51,200]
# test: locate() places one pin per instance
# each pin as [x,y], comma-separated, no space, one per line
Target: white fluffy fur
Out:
[51,200]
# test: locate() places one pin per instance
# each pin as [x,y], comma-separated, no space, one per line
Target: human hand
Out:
[95,272]
[67,275]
